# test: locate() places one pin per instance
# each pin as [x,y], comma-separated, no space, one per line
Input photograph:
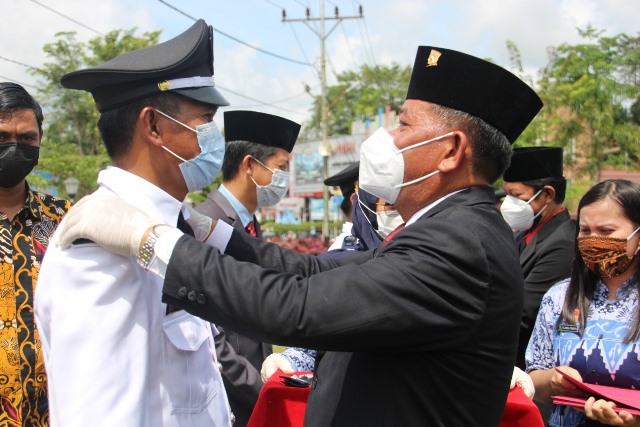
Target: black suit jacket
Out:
[545,261]
[422,331]
[240,356]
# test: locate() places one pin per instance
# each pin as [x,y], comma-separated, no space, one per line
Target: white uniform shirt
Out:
[112,354]
[346,231]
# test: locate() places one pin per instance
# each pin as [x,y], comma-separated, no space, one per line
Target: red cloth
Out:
[280,405]
[529,234]
[392,234]
[520,411]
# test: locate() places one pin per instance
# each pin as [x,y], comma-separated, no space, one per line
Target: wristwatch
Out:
[147,253]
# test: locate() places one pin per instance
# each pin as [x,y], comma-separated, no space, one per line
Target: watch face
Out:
[160,229]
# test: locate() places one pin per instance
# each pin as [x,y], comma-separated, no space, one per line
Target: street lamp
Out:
[71,186]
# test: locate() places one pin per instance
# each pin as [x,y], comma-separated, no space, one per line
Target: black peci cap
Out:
[477,87]
[346,179]
[261,128]
[183,65]
[532,163]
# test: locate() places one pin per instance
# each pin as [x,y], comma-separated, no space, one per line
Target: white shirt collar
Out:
[427,208]
[157,203]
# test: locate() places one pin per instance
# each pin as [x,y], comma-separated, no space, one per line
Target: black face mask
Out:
[16,162]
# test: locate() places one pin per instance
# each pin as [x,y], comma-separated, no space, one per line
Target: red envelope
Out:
[624,398]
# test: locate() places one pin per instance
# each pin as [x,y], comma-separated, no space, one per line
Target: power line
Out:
[67,17]
[17,81]
[346,39]
[272,3]
[18,62]
[257,100]
[228,90]
[299,43]
[365,38]
[236,39]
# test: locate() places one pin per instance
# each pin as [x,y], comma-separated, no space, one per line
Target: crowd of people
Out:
[148,312]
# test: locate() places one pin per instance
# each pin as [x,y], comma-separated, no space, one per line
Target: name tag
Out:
[563,327]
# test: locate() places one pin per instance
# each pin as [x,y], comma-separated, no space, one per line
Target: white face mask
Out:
[271,194]
[202,169]
[518,213]
[382,165]
[387,222]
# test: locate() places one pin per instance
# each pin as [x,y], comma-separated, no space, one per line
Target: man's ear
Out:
[456,146]
[550,192]
[247,164]
[148,125]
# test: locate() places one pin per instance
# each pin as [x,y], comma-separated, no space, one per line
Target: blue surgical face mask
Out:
[202,169]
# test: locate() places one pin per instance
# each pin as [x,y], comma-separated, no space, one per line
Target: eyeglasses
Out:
[384,206]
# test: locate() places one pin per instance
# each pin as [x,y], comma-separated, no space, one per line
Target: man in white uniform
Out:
[115,354]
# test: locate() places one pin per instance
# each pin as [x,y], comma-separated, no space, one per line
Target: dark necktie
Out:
[251,228]
[184,226]
[392,234]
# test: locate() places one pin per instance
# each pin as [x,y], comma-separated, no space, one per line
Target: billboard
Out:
[307,163]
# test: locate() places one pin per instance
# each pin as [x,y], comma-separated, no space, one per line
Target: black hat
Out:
[261,128]
[183,65]
[345,179]
[532,163]
[475,86]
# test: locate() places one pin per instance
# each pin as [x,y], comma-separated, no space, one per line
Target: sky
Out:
[250,79]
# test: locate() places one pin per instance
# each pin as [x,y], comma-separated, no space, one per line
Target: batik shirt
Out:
[23,242]
[600,356]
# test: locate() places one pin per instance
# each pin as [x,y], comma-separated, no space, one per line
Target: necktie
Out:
[393,233]
[184,226]
[251,229]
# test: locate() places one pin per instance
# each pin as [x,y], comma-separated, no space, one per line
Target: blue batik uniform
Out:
[600,355]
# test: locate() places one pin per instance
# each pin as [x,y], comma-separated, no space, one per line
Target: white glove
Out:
[201,224]
[522,380]
[272,363]
[108,221]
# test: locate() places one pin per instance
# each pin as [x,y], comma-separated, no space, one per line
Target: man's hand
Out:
[521,379]
[272,363]
[108,221]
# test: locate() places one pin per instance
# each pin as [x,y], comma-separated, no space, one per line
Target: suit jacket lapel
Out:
[224,204]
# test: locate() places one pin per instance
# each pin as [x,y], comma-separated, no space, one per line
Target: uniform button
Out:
[192,295]
[182,292]
[202,298]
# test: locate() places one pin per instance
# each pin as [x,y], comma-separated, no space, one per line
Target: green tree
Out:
[588,90]
[358,95]
[72,145]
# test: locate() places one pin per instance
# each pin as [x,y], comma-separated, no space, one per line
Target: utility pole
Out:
[325,148]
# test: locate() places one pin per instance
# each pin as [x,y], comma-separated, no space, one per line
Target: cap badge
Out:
[164,85]
[434,56]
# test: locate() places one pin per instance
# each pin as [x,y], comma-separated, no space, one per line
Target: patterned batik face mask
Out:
[606,256]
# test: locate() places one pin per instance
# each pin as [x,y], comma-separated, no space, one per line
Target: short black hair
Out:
[491,149]
[235,151]
[116,126]
[14,97]
[559,183]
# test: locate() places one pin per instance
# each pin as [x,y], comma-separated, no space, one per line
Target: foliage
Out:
[588,90]
[358,95]
[72,144]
